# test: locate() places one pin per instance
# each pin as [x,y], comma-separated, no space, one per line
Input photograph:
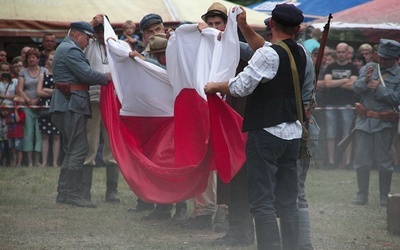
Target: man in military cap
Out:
[96,54]
[150,25]
[70,109]
[378,86]
[274,131]
[154,37]
[156,47]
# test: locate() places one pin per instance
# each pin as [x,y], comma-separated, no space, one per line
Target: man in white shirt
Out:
[273,126]
[96,54]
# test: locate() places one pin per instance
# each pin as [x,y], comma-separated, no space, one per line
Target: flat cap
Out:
[83,27]
[267,24]
[157,43]
[389,49]
[287,15]
[148,20]
[216,9]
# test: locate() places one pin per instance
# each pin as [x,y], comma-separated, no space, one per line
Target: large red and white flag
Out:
[165,133]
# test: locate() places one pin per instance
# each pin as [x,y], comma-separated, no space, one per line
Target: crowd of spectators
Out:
[328,155]
[40,134]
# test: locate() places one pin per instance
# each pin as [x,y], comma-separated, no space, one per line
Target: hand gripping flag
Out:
[165,133]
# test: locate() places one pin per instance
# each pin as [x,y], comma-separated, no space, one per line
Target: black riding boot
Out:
[142,206]
[267,232]
[241,226]
[385,181]
[87,182]
[304,230]
[74,186]
[180,211]
[112,172]
[62,186]
[290,232]
[363,186]
[161,212]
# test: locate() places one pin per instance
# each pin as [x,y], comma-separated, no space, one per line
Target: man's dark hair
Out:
[284,29]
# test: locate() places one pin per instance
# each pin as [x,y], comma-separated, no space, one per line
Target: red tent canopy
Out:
[366,22]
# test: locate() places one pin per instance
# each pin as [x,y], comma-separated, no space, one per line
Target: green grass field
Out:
[30,218]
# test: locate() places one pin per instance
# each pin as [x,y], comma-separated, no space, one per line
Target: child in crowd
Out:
[130,37]
[7,94]
[17,65]
[15,133]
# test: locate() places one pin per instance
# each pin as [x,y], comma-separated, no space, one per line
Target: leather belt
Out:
[373,114]
[72,87]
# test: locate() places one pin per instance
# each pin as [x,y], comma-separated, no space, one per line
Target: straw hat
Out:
[216,9]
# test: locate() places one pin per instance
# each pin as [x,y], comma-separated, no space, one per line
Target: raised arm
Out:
[255,40]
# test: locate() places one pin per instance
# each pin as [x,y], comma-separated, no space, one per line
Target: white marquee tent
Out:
[32,18]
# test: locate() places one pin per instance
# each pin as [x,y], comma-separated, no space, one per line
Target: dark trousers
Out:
[73,129]
[240,219]
[272,174]
[302,169]
[374,148]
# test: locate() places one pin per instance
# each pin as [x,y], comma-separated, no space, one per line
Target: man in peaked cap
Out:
[152,25]
[388,49]
[156,47]
[378,86]
[96,54]
[149,25]
[83,27]
[70,109]
[274,134]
